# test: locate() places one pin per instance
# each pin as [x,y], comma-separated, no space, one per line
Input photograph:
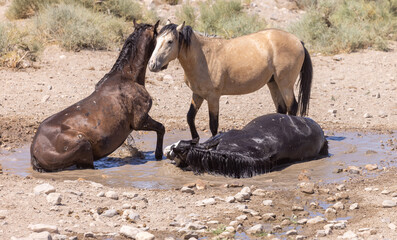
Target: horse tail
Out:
[227,164]
[324,149]
[35,164]
[305,83]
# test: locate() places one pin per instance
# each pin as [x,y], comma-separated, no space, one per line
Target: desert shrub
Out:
[345,26]
[227,18]
[127,9]
[17,46]
[76,27]
[187,13]
[26,8]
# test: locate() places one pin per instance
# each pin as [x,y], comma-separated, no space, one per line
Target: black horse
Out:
[266,142]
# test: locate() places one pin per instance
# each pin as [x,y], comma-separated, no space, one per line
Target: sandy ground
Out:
[350,91]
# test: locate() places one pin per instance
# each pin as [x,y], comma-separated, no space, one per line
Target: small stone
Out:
[167,78]
[201,185]
[385,192]
[54,198]
[230,199]
[269,216]
[131,215]
[230,229]
[330,211]
[112,195]
[341,195]
[371,167]
[350,109]
[341,187]
[300,237]
[144,236]
[349,235]
[40,236]
[259,192]
[307,187]
[367,115]
[45,98]
[246,190]
[291,232]
[43,228]
[209,201]
[354,206]
[388,203]
[101,194]
[338,205]
[392,226]
[354,170]
[43,188]
[241,197]
[187,190]
[267,202]
[324,190]
[110,213]
[89,235]
[297,208]
[321,233]
[302,221]
[129,231]
[315,220]
[126,206]
[258,228]
[241,218]
[340,225]
[129,195]
[59,237]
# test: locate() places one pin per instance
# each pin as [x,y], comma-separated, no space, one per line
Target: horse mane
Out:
[129,49]
[185,37]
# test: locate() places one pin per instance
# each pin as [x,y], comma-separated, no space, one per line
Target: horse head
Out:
[169,42]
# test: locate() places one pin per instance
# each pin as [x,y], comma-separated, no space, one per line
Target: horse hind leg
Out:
[153,125]
[286,88]
[277,97]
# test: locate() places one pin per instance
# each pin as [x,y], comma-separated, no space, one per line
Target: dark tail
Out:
[227,164]
[305,83]
[324,149]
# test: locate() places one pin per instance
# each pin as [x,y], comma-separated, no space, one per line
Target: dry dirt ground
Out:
[354,91]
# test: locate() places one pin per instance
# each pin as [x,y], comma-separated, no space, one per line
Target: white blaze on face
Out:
[165,51]
[168,151]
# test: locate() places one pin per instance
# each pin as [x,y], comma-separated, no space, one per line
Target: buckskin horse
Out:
[97,125]
[263,144]
[215,66]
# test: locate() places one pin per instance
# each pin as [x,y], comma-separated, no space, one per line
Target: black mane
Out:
[185,37]
[129,48]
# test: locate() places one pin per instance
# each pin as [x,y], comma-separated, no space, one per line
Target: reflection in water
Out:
[149,173]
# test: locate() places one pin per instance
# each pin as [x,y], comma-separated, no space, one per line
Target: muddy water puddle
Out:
[346,149]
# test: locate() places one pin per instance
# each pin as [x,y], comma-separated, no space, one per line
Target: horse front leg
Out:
[153,125]
[213,107]
[191,115]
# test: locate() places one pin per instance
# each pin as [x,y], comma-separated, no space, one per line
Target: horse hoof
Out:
[159,156]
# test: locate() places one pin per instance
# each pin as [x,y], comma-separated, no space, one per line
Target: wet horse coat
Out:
[97,125]
[264,143]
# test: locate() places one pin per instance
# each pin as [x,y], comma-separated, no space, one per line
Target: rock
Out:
[341,187]
[269,216]
[59,237]
[209,201]
[230,229]
[45,98]
[315,220]
[291,232]
[385,192]
[354,206]
[297,208]
[392,226]
[89,235]
[230,199]
[267,202]
[129,195]
[251,211]
[241,218]
[350,109]
[321,233]
[54,198]
[241,207]
[195,226]
[324,190]
[187,190]
[302,221]
[241,197]
[144,236]
[112,195]
[110,213]
[258,228]
[389,203]
[3,214]
[43,228]
[371,167]
[201,185]
[330,211]
[40,236]
[167,78]
[367,115]
[101,194]
[353,170]
[339,225]
[349,235]
[338,205]
[341,195]
[126,206]
[259,192]
[307,187]
[129,231]
[300,237]
[246,190]
[285,222]
[43,188]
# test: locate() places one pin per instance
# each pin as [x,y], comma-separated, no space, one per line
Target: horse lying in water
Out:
[264,143]
[97,125]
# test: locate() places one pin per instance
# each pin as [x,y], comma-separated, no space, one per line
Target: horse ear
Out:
[134,21]
[156,26]
[168,22]
[180,27]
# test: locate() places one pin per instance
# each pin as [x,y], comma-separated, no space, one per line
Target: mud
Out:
[346,149]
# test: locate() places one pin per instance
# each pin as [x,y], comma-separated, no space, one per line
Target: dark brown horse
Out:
[97,125]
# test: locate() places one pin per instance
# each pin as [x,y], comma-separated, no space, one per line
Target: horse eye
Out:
[170,42]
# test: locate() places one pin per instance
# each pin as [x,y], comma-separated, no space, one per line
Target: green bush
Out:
[17,46]
[76,27]
[227,18]
[26,8]
[187,13]
[347,25]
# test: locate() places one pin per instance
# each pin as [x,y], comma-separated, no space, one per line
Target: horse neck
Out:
[194,60]
[135,71]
